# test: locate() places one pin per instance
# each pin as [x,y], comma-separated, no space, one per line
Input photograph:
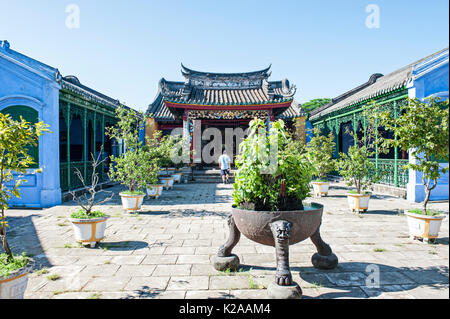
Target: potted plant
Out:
[320,153]
[180,155]
[166,144]
[356,167]
[128,167]
[271,182]
[15,139]
[89,225]
[423,129]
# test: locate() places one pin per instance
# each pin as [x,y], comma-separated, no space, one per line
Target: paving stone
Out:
[179,250]
[207,294]
[193,259]
[127,260]
[159,260]
[188,283]
[148,284]
[426,276]
[135,270]
[100,270]
[108,284]
[172,270]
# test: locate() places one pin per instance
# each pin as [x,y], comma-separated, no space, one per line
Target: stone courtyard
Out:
[166,249]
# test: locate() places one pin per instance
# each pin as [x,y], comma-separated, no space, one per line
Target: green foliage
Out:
[136,168]
[314,104]
[356,167]
[8,266]
[422,127]
[82,214]
[427,213]
[320,152]
[272,168]
[16,137]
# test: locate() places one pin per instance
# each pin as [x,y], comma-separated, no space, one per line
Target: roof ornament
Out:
[5,45]
[287,90]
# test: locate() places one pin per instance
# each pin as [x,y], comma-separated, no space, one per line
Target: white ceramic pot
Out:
[320,188]
[89,231]
[167,182]
[14,286]
[358,202]
[422,226]
[155,190]
[132,202]
[177,177]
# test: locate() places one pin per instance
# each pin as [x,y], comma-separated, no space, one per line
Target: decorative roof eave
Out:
[377,95]
[186,72]
[75,89]
[195,106]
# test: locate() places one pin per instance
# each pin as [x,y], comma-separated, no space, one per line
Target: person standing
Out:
[224,163]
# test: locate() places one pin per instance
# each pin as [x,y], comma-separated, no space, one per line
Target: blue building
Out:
[78,117]
[429,77]
[31,89]
[426,77]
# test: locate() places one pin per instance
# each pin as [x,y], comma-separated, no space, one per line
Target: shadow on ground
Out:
[372,278]
[22,237]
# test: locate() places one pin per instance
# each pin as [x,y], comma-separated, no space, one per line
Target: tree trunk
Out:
[4,240]
[427,197]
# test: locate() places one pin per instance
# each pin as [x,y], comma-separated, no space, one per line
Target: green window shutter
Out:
[30,115]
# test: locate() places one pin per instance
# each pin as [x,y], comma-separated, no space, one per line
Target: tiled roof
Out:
[376,86]
[223,89]
[72,83]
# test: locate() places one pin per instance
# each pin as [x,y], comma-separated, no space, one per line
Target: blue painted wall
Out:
[27,82]
[429,78]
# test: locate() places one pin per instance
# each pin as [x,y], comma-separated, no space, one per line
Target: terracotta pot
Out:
[14,286]
[423,226]
[320,188]
[155,190]
[255,224]
[132,202]
[89,231]
[358,202]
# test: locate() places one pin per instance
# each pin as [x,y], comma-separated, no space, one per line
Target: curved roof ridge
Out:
[186,71]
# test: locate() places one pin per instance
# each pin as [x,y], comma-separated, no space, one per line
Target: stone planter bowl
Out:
[255,225]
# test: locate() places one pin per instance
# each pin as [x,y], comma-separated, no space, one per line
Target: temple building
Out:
[223,101]
[78,117]
[427,77]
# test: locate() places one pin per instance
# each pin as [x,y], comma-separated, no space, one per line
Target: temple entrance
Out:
[218,135]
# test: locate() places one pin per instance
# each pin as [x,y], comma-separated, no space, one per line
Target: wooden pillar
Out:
[103,145]
[300,125]
[68,123]
[395,150]
[85,146]
[151,126]
[197,140]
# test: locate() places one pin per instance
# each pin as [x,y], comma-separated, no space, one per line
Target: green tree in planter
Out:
[320,153]
[281,185]
[134,168]
[15,139]
[423,128]
[356,167]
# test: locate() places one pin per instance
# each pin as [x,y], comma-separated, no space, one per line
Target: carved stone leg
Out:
[324,258]
[225,259]
[283,287]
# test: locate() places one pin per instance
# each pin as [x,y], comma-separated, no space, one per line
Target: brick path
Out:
[165,251]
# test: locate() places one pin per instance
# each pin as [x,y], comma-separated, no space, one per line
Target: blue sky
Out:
[123,48]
